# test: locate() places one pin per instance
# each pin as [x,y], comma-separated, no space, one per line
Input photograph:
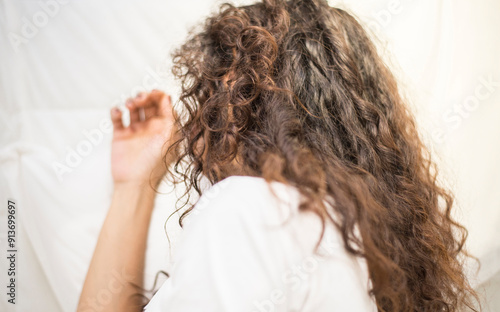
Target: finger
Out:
[134,112]
[148,105]
[142,107]
[165,108]
[141,96]
[151,99]
[142,114]
[149,112]
[116,118]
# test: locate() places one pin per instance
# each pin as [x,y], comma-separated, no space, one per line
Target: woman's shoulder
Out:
[236,188]
[247,198]
[253,209]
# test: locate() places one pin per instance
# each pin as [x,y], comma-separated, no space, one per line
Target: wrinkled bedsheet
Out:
[64,64]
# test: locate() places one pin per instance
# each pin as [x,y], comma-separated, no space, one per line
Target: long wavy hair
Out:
[296,92]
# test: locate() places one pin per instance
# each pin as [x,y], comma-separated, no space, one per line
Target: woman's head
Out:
[295,92]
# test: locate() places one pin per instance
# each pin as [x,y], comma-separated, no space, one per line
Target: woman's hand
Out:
[137,150]
[137,160]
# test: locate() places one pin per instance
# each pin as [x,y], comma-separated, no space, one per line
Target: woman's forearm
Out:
[115,276]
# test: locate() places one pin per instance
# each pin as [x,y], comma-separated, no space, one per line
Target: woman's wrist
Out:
[134,185]
[134,196]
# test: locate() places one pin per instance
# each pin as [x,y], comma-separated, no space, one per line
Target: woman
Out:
[323,196]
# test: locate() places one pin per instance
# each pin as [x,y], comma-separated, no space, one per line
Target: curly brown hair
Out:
[296,92]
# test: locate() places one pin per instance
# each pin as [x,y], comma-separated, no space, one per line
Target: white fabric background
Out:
[79,58]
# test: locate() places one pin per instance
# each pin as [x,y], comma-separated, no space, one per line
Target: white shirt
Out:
[247,250]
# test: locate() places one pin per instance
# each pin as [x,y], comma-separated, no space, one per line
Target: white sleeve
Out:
[227,259]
